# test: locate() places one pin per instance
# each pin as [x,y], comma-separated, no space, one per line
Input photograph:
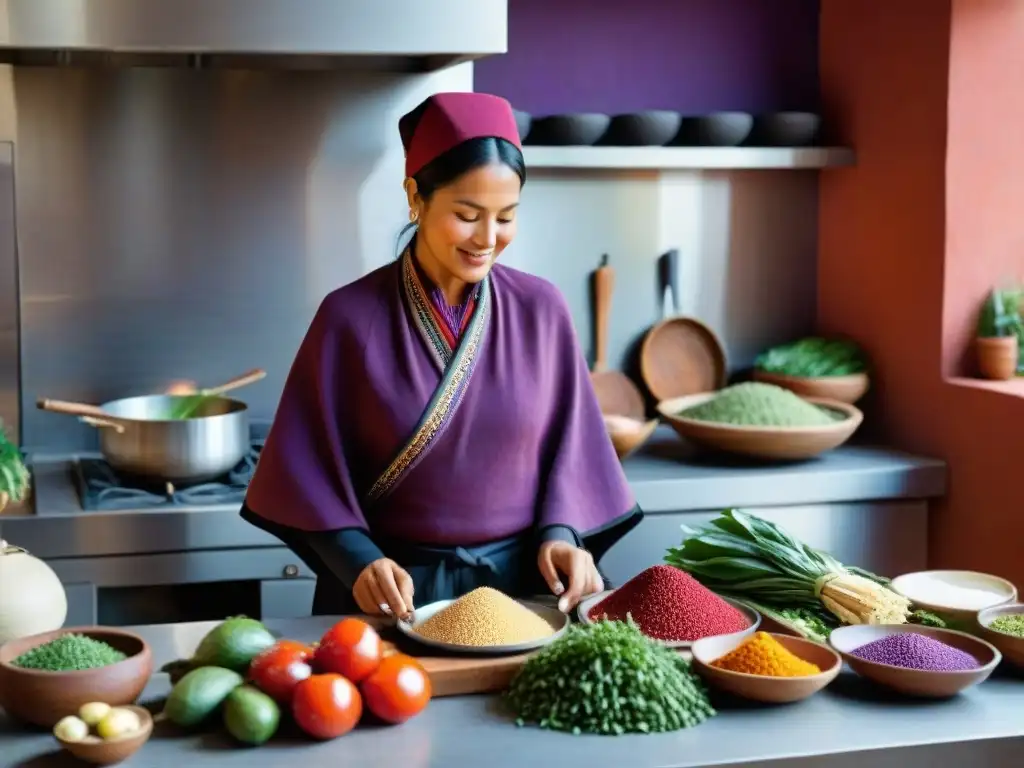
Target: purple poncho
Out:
[382,426]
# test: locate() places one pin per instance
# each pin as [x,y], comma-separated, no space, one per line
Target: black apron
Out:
[444,573]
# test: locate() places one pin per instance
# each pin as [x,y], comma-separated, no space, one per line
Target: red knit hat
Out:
[452,118]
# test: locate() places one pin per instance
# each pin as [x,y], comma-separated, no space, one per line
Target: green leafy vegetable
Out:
[742,556]
[14,477]
[608,678]
[813,357]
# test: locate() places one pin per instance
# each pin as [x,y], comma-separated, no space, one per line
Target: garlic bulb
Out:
[32,599]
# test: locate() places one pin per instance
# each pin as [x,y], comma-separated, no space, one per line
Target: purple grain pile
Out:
[913,651]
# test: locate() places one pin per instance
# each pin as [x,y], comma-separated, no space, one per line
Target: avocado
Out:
[250,715]
[199,694]
[233,643]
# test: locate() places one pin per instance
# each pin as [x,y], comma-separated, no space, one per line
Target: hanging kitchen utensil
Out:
[616,392]
[680,355]
[187,406]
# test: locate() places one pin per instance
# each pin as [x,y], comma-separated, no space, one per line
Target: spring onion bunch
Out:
[742,556]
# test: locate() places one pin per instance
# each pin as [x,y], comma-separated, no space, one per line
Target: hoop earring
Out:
[413,215]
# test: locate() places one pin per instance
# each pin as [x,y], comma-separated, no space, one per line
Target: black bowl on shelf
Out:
[524,120]
[784,129]
[649,128]
[578,129]
[719,129]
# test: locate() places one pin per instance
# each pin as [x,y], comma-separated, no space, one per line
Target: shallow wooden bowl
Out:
[99,752]
[43,698]
[1011,647]
[961,618]
[845,389]
[915,682]
[772,690]
[628,434]
[762,442]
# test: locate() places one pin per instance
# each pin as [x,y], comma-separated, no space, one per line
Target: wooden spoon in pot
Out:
[616,393]
[187,406]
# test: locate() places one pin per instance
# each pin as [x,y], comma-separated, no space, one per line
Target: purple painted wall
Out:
[688,55]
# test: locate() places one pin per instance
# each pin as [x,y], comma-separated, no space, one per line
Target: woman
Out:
[438,430]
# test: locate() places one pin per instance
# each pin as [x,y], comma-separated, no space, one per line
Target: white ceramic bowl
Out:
[559,623]
[912,586]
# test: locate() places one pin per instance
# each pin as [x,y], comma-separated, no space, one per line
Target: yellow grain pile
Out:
[483,617]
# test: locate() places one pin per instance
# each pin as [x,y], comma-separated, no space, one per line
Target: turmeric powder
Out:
[762,654]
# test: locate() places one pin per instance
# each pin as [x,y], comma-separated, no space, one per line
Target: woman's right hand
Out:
[384,587]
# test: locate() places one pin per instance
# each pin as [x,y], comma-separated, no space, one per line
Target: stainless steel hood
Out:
[406,35]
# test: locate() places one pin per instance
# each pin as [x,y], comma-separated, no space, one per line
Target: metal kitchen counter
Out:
[849,724]
[664,475]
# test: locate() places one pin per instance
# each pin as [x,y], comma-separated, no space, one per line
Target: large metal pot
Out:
[137,437]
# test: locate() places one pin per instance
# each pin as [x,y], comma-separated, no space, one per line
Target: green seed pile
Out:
[69,653]
[484,617]
[607,678]
[762,405]
[1010,624]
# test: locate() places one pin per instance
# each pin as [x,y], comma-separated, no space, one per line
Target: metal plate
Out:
[583,609]
[559,623]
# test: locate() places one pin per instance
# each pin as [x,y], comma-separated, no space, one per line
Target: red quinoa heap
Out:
[668,604]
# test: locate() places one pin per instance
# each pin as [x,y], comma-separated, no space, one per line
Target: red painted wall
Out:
[928,92]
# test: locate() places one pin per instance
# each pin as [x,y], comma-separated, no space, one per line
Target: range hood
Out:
[402,35]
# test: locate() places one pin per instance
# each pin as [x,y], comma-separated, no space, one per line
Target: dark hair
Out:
[457,161]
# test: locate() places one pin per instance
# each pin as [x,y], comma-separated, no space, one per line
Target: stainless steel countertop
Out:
[847,718]
[664,475]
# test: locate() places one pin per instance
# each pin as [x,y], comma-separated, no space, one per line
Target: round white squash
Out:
[32,599]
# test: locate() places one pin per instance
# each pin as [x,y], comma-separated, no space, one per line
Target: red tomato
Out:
[351,648]
[326,706]
[277,670]
[398,690]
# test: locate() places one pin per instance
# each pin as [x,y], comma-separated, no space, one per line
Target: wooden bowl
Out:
[773,690]
[628,434]
[962,618]
[915,682]
[682,356]
[844,389]
[43,698]
[1011,647]
[99,752]
[762,442]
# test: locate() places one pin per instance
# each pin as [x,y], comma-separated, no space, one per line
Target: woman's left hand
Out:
[558,558]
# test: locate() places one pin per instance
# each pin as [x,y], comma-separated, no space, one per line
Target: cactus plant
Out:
[14,477]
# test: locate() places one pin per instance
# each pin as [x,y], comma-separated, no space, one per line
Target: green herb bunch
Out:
[745,557]
[608,678]
[813,357]
[14,477]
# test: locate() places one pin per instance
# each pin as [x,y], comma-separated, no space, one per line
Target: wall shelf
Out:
[688,158]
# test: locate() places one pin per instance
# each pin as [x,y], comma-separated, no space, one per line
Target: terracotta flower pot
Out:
[997,357]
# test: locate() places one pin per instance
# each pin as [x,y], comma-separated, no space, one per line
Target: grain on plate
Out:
[484,617]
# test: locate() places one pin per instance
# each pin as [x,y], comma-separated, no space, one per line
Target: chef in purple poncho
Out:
[438,431]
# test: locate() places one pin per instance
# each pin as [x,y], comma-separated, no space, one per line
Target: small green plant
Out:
[1001,316]
[14,477]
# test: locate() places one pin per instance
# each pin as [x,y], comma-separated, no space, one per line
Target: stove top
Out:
[100,488]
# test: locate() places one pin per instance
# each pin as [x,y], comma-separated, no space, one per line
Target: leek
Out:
[744,557]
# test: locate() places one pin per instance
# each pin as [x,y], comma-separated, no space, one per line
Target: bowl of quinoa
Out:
[762,421]
[48,676]
[1003,626]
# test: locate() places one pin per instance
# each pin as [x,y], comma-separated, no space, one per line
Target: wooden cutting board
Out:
[459,675]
